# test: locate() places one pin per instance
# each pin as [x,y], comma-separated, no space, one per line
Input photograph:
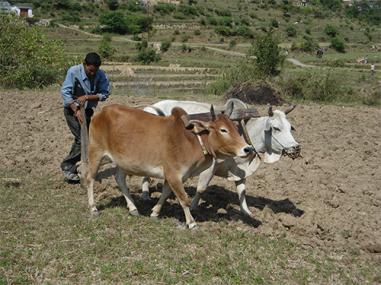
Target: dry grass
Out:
[47,237]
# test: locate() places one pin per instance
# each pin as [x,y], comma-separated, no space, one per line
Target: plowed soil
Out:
[331,197]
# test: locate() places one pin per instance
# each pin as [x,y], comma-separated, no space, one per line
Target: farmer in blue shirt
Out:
[85,84]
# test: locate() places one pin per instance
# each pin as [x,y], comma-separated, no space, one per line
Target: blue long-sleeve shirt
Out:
[101,86]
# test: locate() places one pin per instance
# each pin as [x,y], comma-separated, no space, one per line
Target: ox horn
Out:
[270,111]
[212,113]
[289,109]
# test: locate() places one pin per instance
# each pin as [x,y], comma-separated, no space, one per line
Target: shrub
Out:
[291,31]
[315,85]
[197,32]
[243,31]
[112,4]
[164,8]
[268,55]
[244,71]
[165,45]
[114,22]
[223,31]
[330,30]
[232,44]
[27,57]
[308,44]
[274,23]
[338,44]
[142,45]
[148,55]
[105,49]
[117,22]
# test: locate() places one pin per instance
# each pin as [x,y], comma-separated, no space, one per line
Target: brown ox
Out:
[171,148]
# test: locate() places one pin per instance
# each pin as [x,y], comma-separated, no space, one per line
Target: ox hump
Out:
[177,112]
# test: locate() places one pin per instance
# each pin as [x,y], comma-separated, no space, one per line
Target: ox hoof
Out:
[248,214]
[154,216]
[146,196]
[193,226]
[134,213]
[94,212]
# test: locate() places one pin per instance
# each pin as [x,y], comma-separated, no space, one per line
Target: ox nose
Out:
[248,149]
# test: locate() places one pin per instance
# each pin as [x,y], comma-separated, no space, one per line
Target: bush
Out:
[268,55]
[244,71]
[105,49]
[291,31]
[338,44]
[117,22]
[142,45]
[315,85]
[165,46]
[308,44]
[223,31]
[274,23]
[243,31]
[148,55]
[164,8]
[112,4]
[330,30]
[27,57]
[114,22]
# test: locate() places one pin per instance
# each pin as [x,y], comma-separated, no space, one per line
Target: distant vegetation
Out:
[27,57]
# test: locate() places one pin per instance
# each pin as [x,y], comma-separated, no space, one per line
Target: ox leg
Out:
[241,190]
[178,188]
[120,178]
[95,156]
[163,197]
[203,182]
[145,189]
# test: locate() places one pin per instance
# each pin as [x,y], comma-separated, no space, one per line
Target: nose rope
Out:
[204,150]
[247,137]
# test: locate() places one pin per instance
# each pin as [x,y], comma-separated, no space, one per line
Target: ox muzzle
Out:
[292,152]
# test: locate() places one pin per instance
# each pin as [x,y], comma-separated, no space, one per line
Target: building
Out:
[24,10]
[5,7]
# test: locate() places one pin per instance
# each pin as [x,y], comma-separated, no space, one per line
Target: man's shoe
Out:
[72,178]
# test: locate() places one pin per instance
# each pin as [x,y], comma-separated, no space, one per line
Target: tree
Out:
[113,4]
[105,49]
[27,57]
[115,22]
[268,55]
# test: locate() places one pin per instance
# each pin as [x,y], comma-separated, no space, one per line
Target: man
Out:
[85,84]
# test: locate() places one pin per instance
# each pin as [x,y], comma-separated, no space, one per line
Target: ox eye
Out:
[292,128]
[276,129]
[223,130]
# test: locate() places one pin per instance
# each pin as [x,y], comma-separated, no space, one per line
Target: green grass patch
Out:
[48,237]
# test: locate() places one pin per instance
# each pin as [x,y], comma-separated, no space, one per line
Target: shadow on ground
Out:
[217,204]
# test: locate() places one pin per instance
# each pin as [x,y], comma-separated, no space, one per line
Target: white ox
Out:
[271,136]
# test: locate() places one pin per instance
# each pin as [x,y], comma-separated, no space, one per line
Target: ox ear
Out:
[229,108]
[198,126]
[194,124]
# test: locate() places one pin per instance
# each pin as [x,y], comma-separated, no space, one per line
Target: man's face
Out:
[90,70]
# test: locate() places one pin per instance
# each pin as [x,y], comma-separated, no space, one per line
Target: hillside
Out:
[216,21]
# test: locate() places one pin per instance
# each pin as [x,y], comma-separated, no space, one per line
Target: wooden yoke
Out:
[237,115]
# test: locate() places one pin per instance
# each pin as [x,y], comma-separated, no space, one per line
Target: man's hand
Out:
[82,100]
[78,115]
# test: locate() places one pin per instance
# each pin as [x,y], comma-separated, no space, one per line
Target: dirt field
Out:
[330,198]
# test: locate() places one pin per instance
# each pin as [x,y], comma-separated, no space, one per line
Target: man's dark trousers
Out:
[69,163]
